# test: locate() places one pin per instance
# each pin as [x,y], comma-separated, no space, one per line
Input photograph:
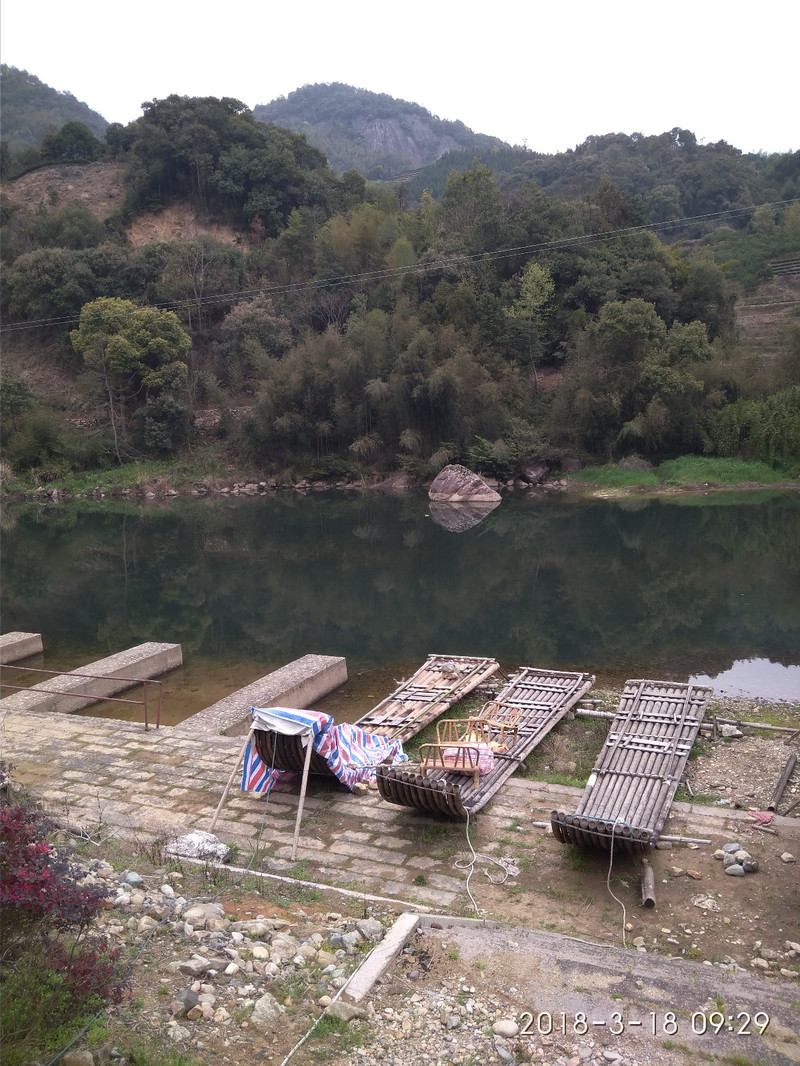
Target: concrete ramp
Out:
[299,684]
[70,692]
[14,646]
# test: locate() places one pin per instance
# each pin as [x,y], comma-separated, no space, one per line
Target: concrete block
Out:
[299,684]
[14,646]
[382,956]
[57,693]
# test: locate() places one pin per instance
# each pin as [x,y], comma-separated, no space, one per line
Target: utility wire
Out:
[386,273]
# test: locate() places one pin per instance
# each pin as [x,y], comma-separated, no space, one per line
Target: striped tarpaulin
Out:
[350,751]
[256,775]
[353,754]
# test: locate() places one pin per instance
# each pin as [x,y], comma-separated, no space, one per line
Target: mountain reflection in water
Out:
[663,589]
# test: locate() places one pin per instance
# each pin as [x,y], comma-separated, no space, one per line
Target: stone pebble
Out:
[228,979]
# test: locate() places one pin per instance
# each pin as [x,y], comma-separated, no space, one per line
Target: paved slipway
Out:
[150,785]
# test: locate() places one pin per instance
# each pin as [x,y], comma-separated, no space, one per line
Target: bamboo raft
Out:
[439,683]
[448,779]
[631,788]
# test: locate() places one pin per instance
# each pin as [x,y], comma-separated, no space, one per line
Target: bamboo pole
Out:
[230,782]
[303,786]
[757,725]
[683,840]
[783,781]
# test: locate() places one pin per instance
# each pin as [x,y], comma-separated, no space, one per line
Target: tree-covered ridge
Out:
[495,324]
[216,153]
[671,175]
[31,108]
[371,132]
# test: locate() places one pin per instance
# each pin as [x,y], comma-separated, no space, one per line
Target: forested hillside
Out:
[671,175]
[31,109]
[342,327]
[373,133]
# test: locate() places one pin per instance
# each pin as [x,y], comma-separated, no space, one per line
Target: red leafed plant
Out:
[38,885]
[56,967]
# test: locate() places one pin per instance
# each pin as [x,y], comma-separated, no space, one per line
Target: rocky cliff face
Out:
[370,132]
[406,136]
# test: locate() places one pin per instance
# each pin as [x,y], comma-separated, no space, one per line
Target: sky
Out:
[542,75]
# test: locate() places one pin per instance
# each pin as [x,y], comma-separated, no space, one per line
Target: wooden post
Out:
[648,885]
[303,786]
[788,770]
[230,782]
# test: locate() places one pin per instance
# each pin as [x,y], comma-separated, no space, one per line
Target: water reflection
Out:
[663,590]
[771,681]
[459,517]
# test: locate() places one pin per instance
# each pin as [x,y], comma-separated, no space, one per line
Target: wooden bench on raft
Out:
[414,704]
[531,703]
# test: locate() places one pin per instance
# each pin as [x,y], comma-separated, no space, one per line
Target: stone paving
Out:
[156,784]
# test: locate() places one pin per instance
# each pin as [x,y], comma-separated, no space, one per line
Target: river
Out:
[696,586]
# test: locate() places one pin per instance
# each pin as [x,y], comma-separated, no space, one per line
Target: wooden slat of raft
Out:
[435,687]
[427,694]
[455,794]
[639,768]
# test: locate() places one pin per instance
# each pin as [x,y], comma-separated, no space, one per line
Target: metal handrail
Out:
[144,681]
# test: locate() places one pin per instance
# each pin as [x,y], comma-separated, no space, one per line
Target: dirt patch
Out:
[761,318]
[96,185]
[744,773]
[179,222]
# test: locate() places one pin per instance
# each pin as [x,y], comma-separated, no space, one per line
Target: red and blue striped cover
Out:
[256,775]
[351,752]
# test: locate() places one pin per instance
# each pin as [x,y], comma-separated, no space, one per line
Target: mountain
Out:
[30,108]
[371,132]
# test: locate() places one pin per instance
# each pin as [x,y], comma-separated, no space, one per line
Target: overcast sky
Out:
[544,75]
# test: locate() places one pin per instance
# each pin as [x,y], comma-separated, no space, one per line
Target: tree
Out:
[48,283]
[532,307]
[471,211]
[252,333]
[73,142]
[134,352]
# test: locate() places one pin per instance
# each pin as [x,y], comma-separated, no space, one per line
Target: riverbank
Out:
[122,794]
[205,474]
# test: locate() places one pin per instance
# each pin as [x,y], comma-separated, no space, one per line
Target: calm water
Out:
[696,587]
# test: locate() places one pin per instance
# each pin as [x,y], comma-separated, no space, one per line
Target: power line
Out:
[386,273]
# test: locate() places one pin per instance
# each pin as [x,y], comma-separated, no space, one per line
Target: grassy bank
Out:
[210,465]
[199,465]
[688,472]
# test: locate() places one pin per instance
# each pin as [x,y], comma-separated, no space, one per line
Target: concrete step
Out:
[58,693]
[14,646]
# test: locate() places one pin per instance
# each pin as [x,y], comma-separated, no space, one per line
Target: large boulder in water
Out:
[457,484]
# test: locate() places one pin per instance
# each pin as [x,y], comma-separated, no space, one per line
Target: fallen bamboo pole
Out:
[783,781]
[683,840]
[757,725]
[705,726]
[648,885]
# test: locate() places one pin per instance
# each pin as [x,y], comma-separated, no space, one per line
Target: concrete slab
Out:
[382,956]
[59,693]
[15,646]
[298,684]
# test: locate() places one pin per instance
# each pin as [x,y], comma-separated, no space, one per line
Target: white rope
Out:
[608,882]
[469,866]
